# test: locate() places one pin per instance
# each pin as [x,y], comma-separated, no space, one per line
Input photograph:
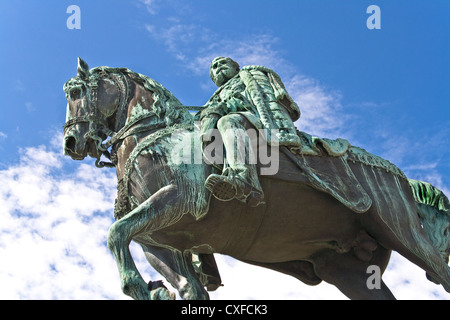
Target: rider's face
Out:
[222,70]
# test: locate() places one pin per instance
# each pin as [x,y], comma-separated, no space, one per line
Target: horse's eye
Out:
[75,94]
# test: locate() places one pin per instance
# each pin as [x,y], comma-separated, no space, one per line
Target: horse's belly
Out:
[292,237]
[295,223]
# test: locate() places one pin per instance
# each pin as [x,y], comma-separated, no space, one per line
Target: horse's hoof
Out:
[162,294]
[158,291]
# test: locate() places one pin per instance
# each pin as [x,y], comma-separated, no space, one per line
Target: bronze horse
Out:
[300,231]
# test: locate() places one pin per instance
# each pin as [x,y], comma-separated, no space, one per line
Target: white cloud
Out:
[321,107]
[196,45]
[3,135]
[183,41]
[30,106]
[257,49]
[53,230]
[422,166]
[150,6]
[19,86]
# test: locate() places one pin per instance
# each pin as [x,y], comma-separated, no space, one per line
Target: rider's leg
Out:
[240,178]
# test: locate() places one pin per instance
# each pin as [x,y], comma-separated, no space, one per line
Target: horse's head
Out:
[114,102]
[93,100]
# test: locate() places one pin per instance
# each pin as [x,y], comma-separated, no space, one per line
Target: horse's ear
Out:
[83,69]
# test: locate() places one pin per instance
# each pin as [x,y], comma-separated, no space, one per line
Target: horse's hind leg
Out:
[401,231]
[417,248]
[393,220]
[353,276]
[177,269]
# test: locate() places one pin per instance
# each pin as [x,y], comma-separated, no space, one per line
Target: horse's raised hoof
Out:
[158,291]
[162,294]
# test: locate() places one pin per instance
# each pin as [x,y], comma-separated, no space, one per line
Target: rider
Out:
[251,97]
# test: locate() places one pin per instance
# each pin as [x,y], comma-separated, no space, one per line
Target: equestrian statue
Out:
[236,177]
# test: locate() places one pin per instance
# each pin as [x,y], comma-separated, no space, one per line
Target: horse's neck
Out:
[140,103]
[143,120]
[137,112]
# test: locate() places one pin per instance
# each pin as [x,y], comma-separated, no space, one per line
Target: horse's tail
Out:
[433,208]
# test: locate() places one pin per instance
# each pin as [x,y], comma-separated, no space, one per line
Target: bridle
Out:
[97,121]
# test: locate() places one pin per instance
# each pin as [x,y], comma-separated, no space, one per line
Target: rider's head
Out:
[223,69]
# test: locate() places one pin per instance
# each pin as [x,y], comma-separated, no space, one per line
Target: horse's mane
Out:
[166,106]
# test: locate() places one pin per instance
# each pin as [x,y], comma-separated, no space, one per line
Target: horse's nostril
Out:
[70,143]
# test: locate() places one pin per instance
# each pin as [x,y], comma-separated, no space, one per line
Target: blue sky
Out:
[385,90]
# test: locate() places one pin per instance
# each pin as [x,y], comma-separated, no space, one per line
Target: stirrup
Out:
[224,189]
[221,188]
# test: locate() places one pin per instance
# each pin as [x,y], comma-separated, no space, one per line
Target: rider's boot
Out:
[236,185]
[239,179]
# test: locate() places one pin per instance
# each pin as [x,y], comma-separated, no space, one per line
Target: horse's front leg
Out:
[178,270]
[161,209]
